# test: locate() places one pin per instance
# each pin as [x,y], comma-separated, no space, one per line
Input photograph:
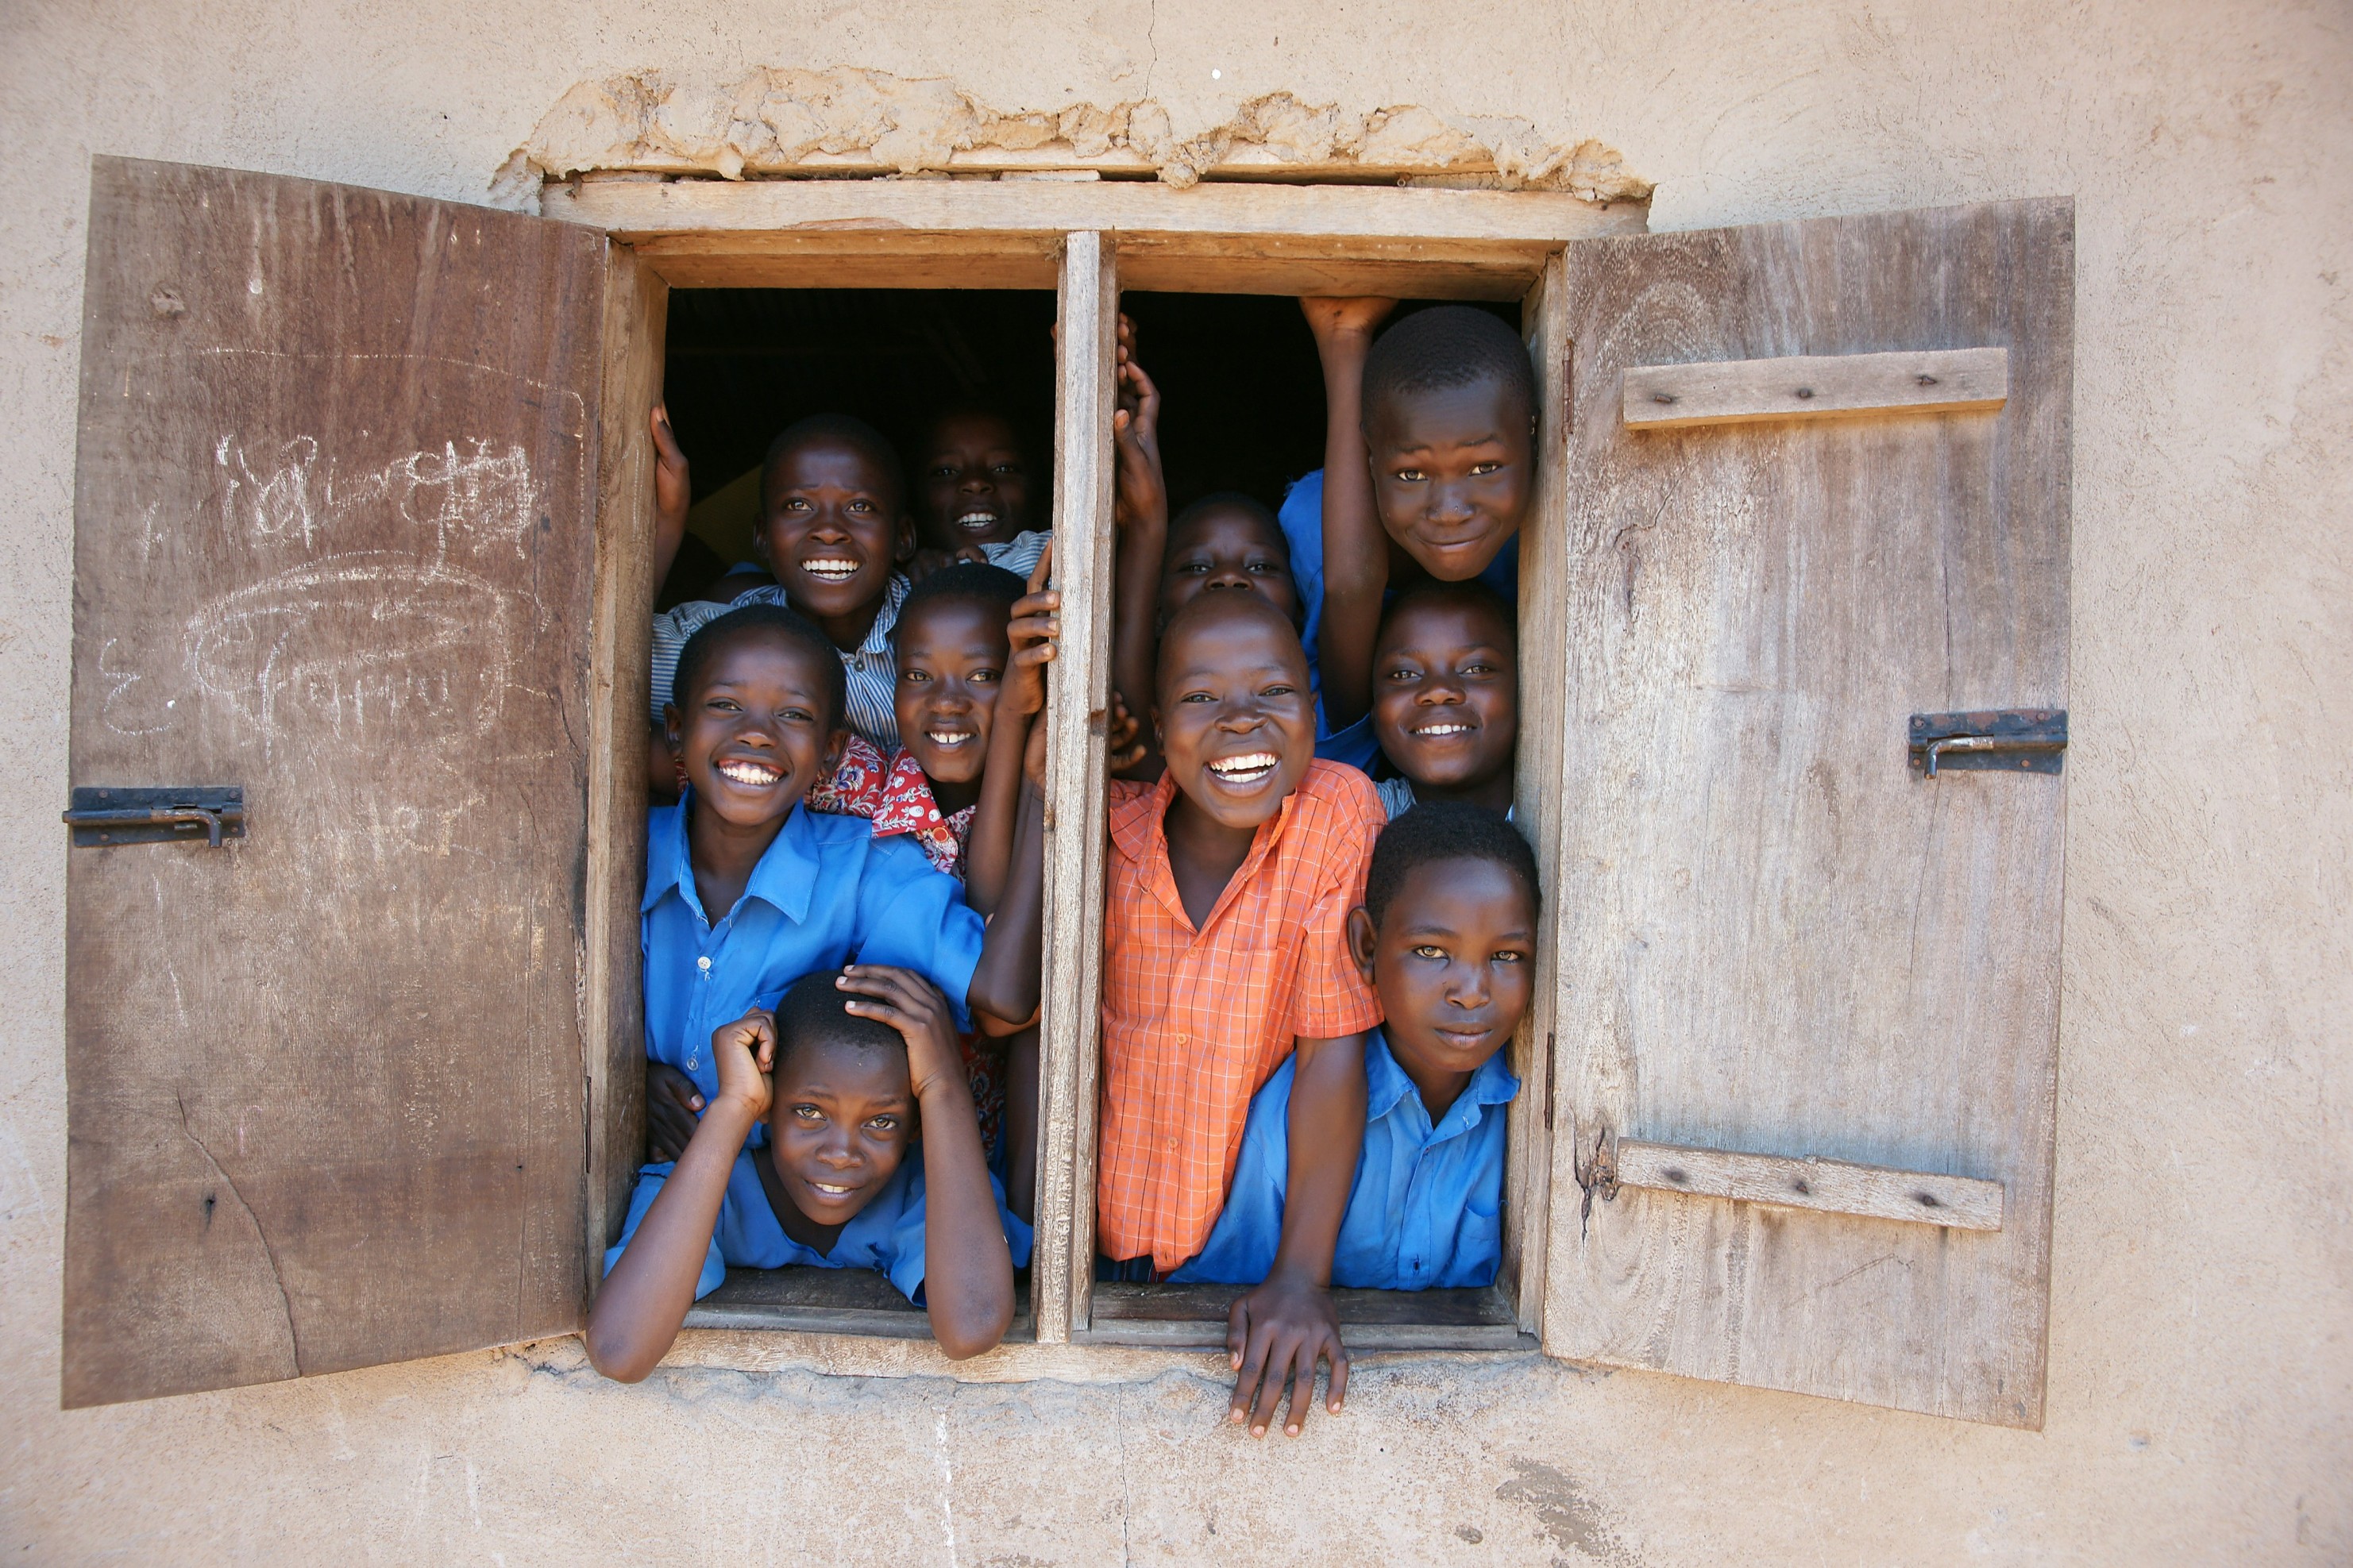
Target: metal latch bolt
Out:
[2015,740]
[148,816]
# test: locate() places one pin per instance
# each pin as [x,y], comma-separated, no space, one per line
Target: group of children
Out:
[1318,926]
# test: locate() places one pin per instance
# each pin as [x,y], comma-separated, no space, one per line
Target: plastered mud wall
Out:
[2202,1320]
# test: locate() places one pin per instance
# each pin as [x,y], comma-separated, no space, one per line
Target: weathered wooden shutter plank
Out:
[335,486]
[1777,938]
[612,994]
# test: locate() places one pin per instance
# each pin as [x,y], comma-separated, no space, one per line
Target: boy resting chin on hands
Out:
[844,1074]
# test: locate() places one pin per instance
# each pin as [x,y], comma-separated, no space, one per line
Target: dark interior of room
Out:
[1242,400]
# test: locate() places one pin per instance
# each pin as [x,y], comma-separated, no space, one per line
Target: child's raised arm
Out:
[646,1297]
[1278,1332]
[967,1267]
[1142,513]
[1355,550]
[1029,647]
[672,494]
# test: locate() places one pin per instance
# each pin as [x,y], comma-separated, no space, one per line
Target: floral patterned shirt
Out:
[897,798]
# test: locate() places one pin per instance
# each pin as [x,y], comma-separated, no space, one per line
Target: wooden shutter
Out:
[337,542]
[1779,939]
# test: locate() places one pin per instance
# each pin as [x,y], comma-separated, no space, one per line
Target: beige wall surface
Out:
[2201,1332]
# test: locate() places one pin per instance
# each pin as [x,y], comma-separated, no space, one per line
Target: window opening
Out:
[1242,410]
[740,366]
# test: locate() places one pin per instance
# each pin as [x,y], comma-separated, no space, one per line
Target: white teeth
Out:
[753,774]
[947,737]
[833,1192]
[1247,769]
[831,570]
[1444,729]
[977,520]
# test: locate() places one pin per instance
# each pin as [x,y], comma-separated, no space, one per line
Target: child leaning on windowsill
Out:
[1228,890]
[848,1071]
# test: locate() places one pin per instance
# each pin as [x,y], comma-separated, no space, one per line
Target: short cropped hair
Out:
[1446,830]
[779,622]
[967,581]
[1446,346]
[1472,594]
[1201,606]
[814,1011]
[1235,500]
[850,431]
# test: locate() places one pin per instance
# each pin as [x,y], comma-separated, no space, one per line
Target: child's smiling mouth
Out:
[1441,730]
[977,521]
[1246,772]
[948,740]
[831,568]
[750,774]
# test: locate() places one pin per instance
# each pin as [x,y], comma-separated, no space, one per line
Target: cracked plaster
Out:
[846,119]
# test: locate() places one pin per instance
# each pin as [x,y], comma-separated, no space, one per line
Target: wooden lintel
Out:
[1832,1186]
[1805,387]
[641,210]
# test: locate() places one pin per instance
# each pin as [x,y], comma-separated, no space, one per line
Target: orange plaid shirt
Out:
[1196,1022]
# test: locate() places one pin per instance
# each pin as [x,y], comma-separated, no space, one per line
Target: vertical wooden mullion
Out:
[1536,790]
[1078,696]
[612,996]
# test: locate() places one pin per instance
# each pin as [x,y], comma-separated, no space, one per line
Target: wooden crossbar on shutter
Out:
[1808,1003]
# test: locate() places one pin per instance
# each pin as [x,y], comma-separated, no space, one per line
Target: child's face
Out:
[1451,473]
[973,484]
[1445,695]
[756,732]
[1453,962]
[1237,725]
[951,663]
[839,1126]
[834,530]
[1223,548]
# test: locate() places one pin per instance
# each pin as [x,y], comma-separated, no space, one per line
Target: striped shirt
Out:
[1195,1022]
[1397,799]
[870,671]
[1019,553]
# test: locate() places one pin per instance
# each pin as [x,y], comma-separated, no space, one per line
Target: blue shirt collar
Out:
[1386,1087]
[784,878]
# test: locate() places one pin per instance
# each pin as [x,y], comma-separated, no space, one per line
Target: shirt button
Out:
[703,964]
[1182,1038]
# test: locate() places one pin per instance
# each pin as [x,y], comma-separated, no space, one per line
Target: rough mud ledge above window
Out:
[847,121]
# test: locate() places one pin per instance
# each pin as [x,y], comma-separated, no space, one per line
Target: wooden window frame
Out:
[1087,240]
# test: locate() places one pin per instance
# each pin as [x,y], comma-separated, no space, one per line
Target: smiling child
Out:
[1428,456]
[834,530]
[746,890]
[1447,938]
[949,644]
[863,1060]
[1445,697]
[1227,889]
[972,492]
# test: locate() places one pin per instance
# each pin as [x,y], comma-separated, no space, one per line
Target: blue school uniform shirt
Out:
[1425,1209]
[1302,517]
[827,892]
[886,1236]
